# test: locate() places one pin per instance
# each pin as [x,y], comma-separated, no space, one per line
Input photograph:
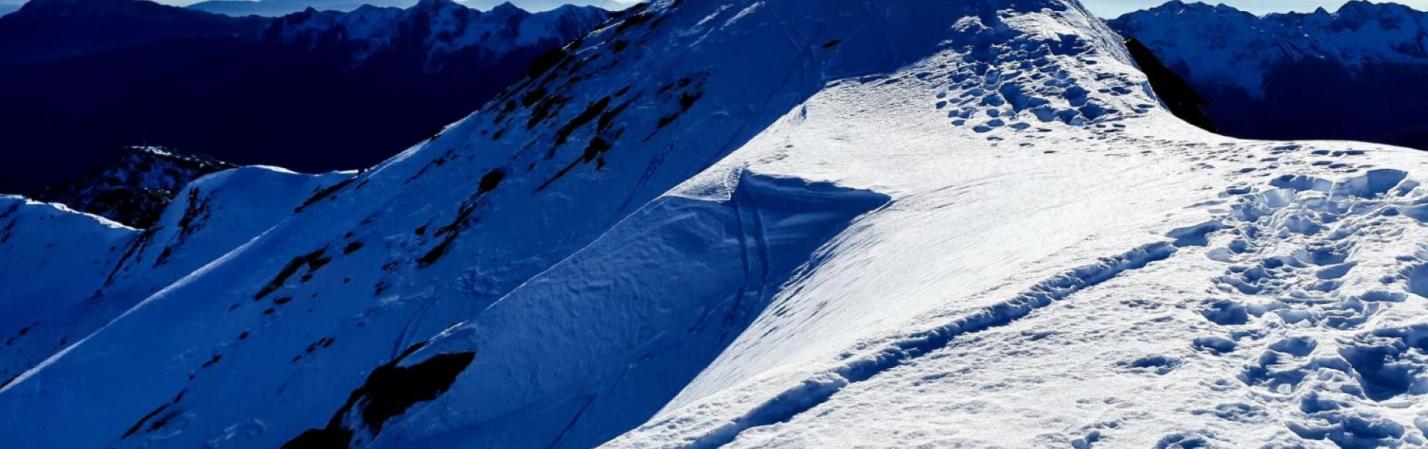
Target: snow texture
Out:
[793,223]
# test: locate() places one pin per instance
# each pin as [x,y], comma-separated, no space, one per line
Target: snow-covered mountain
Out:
[546,5]
[791,223]
[136,186]
[1353,73]
[435,30]
[275,8]
[68,273]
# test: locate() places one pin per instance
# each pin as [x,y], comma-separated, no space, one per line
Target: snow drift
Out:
[795,223]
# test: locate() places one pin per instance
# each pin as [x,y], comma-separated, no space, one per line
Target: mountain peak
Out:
[448,28]
[507,8]
[1240,45]
[436,5]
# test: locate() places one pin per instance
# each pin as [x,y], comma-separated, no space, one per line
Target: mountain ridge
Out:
[782,224]
[275,8]
[48,30]
[219,95]
[1362,63]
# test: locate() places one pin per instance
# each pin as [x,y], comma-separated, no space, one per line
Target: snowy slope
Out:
[65,256]
[69,273]
[869,223]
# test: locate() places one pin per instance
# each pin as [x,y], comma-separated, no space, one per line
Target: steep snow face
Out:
[439,233]
[442,231]
[1233,47]
[592,347]
[69,273]
[54,258]
[613,349]
[795,223]
[442,27]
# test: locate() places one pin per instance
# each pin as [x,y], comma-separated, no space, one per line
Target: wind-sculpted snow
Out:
[606,126]
[818,389]
[754,224]
[1283,315]
[598,343]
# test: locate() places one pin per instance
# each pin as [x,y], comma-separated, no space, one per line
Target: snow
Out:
[880,224]
[64,255]
[90,270]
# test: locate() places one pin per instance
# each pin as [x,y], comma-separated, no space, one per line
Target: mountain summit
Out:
[434,30]
[793,223]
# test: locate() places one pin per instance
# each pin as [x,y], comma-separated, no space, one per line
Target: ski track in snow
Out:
[1286,242]
[812,392]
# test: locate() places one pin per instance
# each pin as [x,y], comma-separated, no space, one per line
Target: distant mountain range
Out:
[313,91]
[44,30]
[1356,73]
[275,8]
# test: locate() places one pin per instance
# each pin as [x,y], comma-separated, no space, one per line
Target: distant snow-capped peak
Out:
[442,27]
[1237,47]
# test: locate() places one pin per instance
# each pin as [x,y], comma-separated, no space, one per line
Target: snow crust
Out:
[796,223]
